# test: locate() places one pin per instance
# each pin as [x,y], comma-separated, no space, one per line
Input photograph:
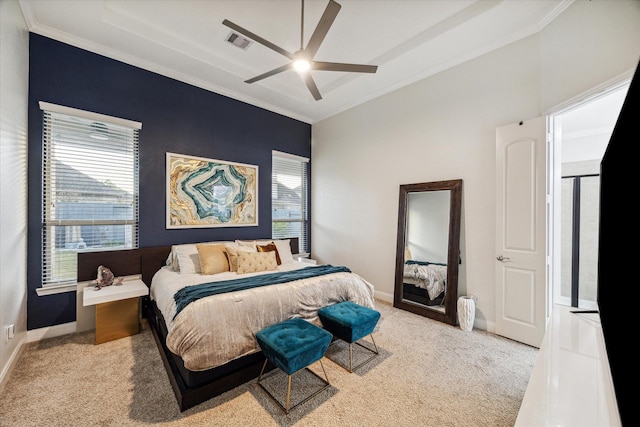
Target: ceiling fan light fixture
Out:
[303,60]
[301,65]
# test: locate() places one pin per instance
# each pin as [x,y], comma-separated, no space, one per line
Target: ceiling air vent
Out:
[237,40]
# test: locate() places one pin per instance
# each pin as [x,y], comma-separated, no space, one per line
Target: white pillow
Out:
[284,250]
[185,258]
[253,244]
[247,244]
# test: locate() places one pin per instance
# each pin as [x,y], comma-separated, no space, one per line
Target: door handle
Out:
[502,258]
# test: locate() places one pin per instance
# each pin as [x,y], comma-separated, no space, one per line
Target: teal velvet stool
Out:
[291,346]
[350,322]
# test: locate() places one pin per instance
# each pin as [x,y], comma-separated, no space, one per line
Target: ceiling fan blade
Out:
[337,66]
[308,80]
[322,28]
[257,38]
[270,73]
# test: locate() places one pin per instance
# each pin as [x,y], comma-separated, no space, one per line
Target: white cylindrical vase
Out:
[466,312]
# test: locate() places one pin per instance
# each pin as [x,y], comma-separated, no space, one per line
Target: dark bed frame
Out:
[190,387]
[421,296]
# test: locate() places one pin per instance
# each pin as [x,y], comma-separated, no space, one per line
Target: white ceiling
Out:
[185,40]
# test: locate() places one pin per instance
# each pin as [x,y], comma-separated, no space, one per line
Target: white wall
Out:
[443,128]
[14,79]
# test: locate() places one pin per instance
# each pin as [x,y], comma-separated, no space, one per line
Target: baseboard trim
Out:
[8,368]
[51,331]
[384,296]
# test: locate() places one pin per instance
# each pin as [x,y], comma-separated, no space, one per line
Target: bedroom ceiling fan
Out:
[303,59]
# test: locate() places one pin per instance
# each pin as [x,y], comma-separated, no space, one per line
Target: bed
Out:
[207,337]
[424,282]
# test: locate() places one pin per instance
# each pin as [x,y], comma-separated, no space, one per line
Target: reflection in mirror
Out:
[426,243]
[428,249]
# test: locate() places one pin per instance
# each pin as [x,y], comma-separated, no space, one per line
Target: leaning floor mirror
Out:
[428,250]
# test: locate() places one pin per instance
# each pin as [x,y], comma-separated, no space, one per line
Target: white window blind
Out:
[89,188]
[289,198]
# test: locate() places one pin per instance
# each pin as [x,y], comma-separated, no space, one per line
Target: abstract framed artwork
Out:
[204,193]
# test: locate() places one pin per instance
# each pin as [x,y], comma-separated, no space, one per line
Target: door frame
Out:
[554,176]
[552,197]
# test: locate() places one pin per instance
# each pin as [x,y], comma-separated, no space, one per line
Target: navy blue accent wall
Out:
[176,117]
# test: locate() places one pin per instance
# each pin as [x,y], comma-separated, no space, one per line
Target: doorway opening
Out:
[580,135]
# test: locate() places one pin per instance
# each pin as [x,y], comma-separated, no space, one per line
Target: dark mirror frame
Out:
[453,256]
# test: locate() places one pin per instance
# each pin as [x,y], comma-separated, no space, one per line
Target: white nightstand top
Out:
[129,289]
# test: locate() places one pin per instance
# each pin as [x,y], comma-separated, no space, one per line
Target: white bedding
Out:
[431,277]
[217,329]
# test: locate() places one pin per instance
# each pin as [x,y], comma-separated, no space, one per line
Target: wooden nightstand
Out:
[117,309]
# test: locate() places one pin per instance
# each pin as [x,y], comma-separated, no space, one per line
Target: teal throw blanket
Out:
[411,261]
[189,294]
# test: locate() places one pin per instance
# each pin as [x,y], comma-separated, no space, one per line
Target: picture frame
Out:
[204,193]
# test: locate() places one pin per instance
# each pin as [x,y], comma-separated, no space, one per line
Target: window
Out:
[289,198]
[89,188]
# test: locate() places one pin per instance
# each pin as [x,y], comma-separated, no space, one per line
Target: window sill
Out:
[56,289]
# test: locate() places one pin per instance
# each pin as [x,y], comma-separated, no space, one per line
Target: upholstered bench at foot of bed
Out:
[350,322]
[293,345]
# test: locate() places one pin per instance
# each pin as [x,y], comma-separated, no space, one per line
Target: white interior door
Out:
[521,290]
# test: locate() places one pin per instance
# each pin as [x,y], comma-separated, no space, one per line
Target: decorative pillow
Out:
[213,259]
[407,253]
[233,250]
[185,259]
[271,247]
[284,250]
[253,262]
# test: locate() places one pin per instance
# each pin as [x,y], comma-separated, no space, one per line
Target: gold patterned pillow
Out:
[253,262]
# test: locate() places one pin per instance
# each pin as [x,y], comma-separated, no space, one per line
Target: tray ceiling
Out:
[185,40]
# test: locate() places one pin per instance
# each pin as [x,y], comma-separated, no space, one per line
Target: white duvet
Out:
[431,277]
[217,329]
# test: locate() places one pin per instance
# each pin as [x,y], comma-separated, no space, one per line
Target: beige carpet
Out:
[427,374]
